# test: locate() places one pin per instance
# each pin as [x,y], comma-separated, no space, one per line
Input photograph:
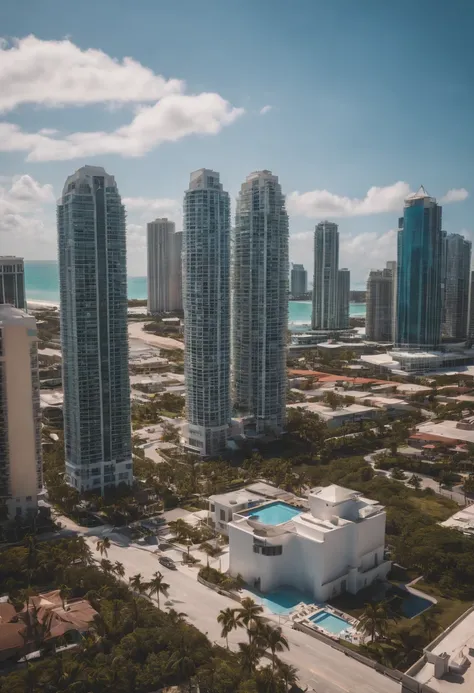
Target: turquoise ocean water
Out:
[42,284]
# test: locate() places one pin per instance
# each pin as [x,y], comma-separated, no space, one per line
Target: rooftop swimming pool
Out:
[275,513]
[327,621]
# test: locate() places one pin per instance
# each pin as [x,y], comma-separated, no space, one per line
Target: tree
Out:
[107,566]
[272,639]
[229,621]
[374,620]
[398,474]
[170,432]
[288,673]
[429,623]
[137,584]
[468,485]
[119,569]
[103,546]
[157,586]
[249,657]
[249,616]
[415,481]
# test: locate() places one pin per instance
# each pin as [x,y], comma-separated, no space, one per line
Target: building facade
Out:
[20,414]
[12,281]
[94,339]
[299,280]
[206,302]
[164,275]
[325,284]
[470,328]
[260,302]
[343,298]
[379,304]
[336,546]
[419,288]
[456,287]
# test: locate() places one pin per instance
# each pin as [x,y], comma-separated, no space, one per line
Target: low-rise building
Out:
[336,545]
[447,432]
[338,417]
[462,520]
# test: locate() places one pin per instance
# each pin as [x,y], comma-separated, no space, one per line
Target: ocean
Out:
[42,284]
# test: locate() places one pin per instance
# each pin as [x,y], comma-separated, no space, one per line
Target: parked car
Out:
[167,562]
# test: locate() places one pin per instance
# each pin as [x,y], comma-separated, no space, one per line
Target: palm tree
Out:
[181,663]
[102,546]
[176,617]
[288,673]
[273,640]
[229,621]
[429,623]
[374,620]
[119,569]
[249,615]
[157,586]
[107,566]
[249,657]
[415,481]
[136,583]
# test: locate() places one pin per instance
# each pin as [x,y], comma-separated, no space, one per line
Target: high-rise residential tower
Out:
[419,303]
[299,280]
[470,324]
[260,302]
[12,281]
[93,292]
[379,317]
[456,287]
[326,267]
[206,302]
[164,246]
[343,298]
[20,415]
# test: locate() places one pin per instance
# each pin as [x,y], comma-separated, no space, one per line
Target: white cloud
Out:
[170,119]
[454,195]
[58,73]
[322,203]
[265,109]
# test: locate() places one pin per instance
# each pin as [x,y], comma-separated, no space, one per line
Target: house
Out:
[338,417]
[334,546]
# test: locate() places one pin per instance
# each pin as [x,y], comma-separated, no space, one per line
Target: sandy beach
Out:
[135,331]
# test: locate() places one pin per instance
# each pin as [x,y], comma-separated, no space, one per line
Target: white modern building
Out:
[20,414]
[94,339]
[260,302]
[164,275]
[206,302]
[12,281]
[299,280]
[337,545]
[326,276]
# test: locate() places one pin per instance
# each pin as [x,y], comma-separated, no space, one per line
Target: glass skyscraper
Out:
[419,277]
[260,302]
[93,293]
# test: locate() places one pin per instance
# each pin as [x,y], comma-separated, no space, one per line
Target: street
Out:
[321,667]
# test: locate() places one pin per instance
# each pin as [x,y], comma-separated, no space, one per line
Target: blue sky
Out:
[361,94]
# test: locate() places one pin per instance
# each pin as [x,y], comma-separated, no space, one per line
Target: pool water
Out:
[333,624]
[275,513]
[412,605]
[282,601]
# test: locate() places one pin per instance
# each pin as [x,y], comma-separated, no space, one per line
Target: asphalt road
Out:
[321,667]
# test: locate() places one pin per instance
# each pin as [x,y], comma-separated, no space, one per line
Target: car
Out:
[167,562]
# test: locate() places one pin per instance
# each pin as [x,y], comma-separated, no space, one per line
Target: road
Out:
[135,331]
[321,667]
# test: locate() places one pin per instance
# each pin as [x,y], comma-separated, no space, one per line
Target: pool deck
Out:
[304,613]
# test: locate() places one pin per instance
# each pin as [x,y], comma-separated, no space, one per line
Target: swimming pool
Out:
[275,513]
[282,601]
[327,621]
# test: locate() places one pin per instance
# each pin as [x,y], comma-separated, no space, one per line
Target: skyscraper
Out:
[456,286]
[380,287]
[260,302]
[343,298]
[325,286]
[12,281]
[392,266]
[93,292]
[20,415]
[419,304]
[470,327]
[299,280]
[164,275]
[206,301]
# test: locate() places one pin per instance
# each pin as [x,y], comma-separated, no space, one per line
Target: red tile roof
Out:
[331,378]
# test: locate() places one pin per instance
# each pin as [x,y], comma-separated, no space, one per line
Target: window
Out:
[213,507]
[222,515]
[268,550]
[28,498]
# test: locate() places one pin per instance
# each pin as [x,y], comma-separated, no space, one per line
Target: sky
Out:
[352,104]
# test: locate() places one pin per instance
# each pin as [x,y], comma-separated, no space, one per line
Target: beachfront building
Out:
[343,298]
[298,280]
[331,543]
[206,302]
[326,276]
[260,303]
[379,316]
[12,281]
[456,287]
[94,340]
[20,414]
[164,276]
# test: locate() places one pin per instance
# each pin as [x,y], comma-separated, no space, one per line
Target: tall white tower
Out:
[260,302]
[20,415]
[326,310]
[12,281]
[206,300]
[164,248]
[93,292]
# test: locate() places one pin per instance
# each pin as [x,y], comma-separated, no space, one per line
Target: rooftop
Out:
[447,429]
[462,520]
[334,493]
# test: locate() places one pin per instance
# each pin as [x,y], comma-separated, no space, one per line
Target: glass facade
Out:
[12,282]
[93,292]
[419,277]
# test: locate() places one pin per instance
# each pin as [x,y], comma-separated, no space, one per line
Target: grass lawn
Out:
[436,507]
